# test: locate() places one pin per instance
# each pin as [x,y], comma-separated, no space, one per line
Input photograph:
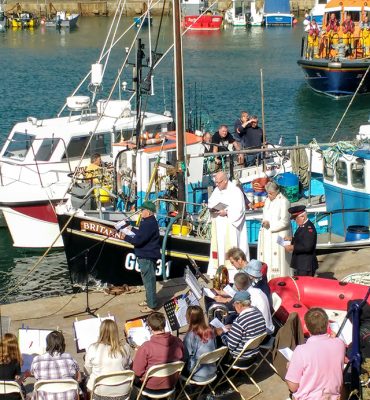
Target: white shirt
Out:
[260,301]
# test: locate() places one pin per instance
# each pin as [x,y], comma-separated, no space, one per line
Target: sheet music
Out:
[216,323]
[87,332]
[280,240]
[208,292]
[287,353]
[346,334]
[180,311]
[229,291]
[219,207]
[32,341]
[193,301]
[193,284]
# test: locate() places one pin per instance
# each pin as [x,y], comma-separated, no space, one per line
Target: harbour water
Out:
[40,68]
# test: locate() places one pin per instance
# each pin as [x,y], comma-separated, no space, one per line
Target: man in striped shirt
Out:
[249,324]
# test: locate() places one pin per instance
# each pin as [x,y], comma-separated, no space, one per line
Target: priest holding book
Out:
[227,207]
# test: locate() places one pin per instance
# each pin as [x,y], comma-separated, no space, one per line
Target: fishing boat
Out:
[299,294]
[277,13]
[62,19]
[242,13]
[146,21]
[336,63]
[3,18]
[198,16]
[23,20]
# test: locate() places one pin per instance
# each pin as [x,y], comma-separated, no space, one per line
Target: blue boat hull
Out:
[137,21]
[278,19]
[336,78]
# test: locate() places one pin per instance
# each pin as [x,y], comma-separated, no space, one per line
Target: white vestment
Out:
[229,231]
[269,251]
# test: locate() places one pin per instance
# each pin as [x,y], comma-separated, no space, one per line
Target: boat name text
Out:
[101,229]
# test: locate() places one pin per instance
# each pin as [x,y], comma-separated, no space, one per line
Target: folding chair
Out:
[118,378]
[249,345]
[266,349]
[56,386]
[11,387]
[212,357]
[160,371]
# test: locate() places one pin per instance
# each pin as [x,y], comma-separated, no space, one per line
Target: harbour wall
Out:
[131,7]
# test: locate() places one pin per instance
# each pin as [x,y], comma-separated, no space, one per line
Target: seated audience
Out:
[242,282]
[316,368]
[10,364]
[55,364]
[105,356]
[248,325]
[254,268]
[162,348]
[199,339]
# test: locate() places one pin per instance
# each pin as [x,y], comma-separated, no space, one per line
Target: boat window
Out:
[328,171]
[358,174]
[171,158]
[101,144]
[341,172]
[76,147]
[46,149]
[153,128]
[19,146]
[355,15]
[123,135]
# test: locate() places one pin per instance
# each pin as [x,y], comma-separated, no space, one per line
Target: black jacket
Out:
[146,239]
[304,259]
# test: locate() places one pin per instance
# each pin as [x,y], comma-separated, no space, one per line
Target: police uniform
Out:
[304,260]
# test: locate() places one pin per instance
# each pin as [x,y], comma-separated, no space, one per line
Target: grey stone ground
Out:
[51,313]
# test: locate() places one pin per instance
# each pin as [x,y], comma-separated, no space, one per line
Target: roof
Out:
[345,3]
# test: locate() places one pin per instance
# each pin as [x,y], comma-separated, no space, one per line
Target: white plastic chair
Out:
[212,357]
[118,378]
[11,387]
[160,371]
[249,345]
[56,386]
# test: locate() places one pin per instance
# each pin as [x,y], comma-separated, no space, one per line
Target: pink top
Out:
[318,368]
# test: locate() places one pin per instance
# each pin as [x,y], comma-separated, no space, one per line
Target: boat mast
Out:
[179,101]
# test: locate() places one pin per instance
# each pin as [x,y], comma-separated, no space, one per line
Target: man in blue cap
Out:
[303,244]
[148,251]
[249,324]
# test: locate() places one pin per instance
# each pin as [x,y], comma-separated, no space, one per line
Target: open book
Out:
[218,207]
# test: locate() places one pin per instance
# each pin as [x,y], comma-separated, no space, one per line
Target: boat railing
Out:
[335,47]
[330,214]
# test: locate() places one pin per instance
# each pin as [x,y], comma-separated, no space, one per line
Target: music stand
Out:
[87,310]
[198,274]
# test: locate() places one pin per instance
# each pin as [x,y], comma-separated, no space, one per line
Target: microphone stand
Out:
[87,310]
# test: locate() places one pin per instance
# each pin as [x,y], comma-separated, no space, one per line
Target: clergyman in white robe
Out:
[269,251]
[229,230]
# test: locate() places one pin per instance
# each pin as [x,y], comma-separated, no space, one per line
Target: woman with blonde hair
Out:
[105,356]
[199,339]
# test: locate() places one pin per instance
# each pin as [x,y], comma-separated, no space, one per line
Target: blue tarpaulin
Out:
[274,6]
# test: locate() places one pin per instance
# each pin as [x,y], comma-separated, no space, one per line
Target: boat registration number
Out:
[131,264]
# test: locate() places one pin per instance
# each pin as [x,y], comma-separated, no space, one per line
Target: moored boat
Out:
[299,294]
[277,13]
[62,19]
[3,17]
[336,62]
[197,16]
[23,20]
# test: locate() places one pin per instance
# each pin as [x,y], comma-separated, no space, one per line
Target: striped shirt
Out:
[249,324]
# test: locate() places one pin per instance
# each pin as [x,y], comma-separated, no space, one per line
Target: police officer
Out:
[303,244]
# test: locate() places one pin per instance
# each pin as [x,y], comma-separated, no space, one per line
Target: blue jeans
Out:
[147,269]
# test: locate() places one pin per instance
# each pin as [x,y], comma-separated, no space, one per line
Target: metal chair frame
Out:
[56,386]
[160,371]
[249,345]
[11,387]
[212,357]
[116,378]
